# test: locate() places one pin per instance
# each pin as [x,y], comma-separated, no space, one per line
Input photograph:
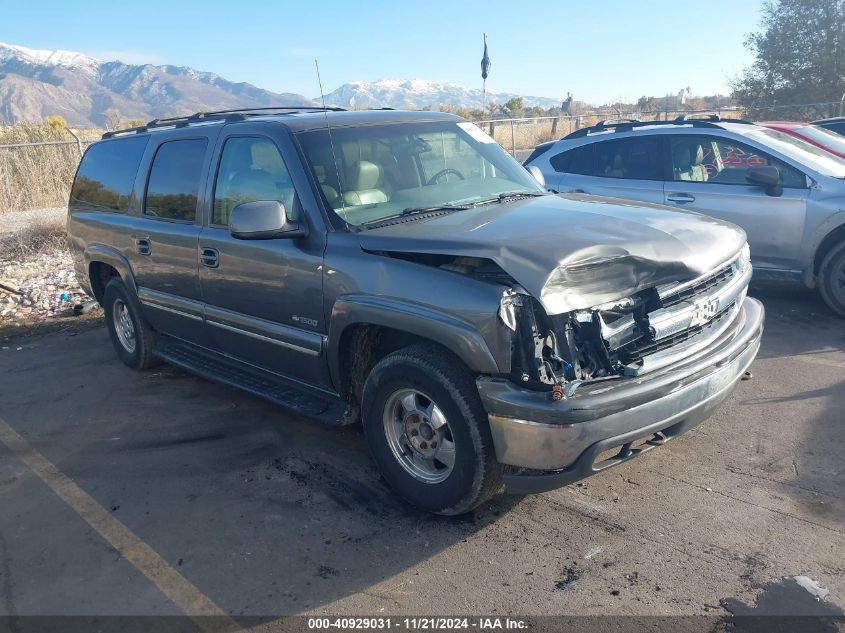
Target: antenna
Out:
[329,128]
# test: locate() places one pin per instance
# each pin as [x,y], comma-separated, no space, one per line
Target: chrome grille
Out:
[699,286]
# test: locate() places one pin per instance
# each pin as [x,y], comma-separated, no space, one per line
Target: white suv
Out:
[787,194]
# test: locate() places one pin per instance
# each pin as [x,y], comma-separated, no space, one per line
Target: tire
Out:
[832,279]
[423,386]
[131,335]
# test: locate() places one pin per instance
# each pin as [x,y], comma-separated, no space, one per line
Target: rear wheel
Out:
[428,432]
[832,279]
[131,335]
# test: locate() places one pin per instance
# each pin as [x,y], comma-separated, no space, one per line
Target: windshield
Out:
[835,142]
[801,151]
[385,170]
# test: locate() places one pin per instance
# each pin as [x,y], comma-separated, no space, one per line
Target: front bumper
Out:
[565,439]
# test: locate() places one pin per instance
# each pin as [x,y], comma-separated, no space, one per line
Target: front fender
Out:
[454,334]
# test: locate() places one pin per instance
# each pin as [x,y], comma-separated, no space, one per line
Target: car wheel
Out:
[428,432]
[832,279]
[131,335]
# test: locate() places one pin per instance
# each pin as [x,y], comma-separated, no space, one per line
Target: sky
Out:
[601,52]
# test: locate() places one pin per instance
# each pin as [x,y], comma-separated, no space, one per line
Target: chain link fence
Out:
[37,162]
[36,168]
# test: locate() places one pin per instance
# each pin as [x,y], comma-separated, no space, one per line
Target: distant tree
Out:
[111,119]
[55,122]
[514,107]
[800,54]
[646,104]
[133,123]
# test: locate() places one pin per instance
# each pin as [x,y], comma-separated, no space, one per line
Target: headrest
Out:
[256,183]
[364,175]
[681,157]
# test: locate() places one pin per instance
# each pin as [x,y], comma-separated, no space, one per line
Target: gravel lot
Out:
[266,513]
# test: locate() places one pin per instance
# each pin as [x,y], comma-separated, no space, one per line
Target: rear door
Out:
[630,167]
[263,297]
[708,175]
[164,238]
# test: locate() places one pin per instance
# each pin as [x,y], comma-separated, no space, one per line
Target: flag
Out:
[485,61]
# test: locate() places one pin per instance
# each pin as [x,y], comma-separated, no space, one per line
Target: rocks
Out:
[43,281]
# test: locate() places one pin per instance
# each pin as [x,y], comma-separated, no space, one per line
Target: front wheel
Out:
[428,432]
[832,279]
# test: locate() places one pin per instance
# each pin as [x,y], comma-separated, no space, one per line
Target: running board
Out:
[264,384]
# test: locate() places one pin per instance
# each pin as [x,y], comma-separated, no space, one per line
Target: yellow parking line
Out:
[182,592]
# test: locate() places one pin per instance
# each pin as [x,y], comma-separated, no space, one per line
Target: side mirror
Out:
[262,220]
[538,175]
[767,177]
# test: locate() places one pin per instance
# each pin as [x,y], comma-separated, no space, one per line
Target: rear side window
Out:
[173,185]
[107,174]
[574,161]
[633,158]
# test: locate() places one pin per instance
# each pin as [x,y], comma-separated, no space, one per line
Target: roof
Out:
[629,125]
[297,120]
[836,119]
[782,124]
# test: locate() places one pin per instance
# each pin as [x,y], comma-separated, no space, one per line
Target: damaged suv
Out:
[399,268]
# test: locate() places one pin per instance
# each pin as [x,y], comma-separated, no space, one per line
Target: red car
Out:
[818,136]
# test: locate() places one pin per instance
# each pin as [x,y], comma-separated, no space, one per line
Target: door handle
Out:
[577,191]
[680,198]
[209,257]
[143,245]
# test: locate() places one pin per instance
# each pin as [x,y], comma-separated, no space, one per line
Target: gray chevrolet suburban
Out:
[401,269]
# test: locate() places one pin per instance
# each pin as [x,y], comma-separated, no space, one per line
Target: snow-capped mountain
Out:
[87,91]
[417,94]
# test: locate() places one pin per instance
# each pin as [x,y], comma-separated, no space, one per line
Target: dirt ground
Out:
[237,505]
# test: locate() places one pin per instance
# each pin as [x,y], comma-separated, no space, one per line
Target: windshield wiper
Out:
[419,211]
[511,195]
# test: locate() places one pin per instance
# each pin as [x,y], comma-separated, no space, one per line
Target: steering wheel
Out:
[444,172]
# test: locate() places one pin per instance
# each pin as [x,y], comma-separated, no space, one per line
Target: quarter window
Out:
[107,174]
[724,162]
[173,186]
[251,168]
[574,161]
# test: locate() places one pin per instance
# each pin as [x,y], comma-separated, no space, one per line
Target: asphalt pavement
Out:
[159,493]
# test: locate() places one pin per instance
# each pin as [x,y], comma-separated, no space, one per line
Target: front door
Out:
[708,175]
[263,297]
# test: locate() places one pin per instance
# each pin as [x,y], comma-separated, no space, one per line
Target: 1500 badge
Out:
[304,320]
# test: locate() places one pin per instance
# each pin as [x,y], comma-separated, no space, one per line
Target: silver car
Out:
[787,194]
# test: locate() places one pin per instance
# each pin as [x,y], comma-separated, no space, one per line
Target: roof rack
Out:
[626,125]
[237,114]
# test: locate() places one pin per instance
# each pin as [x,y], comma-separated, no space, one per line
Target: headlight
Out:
[744,259]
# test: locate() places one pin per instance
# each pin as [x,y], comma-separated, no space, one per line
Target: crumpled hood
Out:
[573,252]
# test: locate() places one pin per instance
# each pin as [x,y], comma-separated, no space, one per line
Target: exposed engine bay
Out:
[628,337]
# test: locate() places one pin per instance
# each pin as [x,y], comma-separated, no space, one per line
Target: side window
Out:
[574,161]
[724,162]
[251,168]
[107,174]
[633,158]
[173,185]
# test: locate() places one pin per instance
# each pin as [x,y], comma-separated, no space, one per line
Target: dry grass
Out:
[38,176]
[39,238]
